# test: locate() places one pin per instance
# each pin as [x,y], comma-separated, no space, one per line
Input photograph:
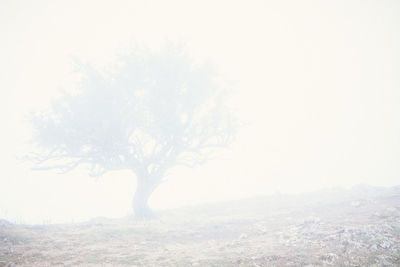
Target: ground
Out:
[357,227]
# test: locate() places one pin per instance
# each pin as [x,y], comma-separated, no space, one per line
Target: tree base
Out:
[144,189]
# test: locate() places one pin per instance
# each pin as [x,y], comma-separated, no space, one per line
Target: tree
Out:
[154,111]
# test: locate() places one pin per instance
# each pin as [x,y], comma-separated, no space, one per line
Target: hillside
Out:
[357,227]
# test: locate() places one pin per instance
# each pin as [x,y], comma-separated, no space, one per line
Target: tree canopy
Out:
[152,111]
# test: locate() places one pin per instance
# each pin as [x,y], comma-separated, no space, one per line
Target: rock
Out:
[385,244]
[311,220]
[259,229]
[5,223]
[243,236]
[329,258]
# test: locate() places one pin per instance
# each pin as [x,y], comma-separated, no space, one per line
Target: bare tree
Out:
[152,112]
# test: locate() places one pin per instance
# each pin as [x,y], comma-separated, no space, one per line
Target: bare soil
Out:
[357,227]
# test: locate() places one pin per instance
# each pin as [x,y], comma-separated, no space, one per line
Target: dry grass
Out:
[338,229]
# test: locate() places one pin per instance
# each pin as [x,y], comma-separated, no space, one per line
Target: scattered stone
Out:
[243,236]
[385,244]
[5,223]
[336,235]
[311,220]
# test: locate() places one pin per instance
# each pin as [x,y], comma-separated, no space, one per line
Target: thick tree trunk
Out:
[144,189]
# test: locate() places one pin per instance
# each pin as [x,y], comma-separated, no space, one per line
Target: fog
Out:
[315,85]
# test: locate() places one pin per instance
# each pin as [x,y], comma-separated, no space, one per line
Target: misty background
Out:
[316,84]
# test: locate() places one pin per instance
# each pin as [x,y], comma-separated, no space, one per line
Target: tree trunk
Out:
[144,188]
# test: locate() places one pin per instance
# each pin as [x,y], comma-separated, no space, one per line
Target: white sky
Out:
[317,83]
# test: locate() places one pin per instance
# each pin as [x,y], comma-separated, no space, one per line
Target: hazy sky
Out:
[316,82]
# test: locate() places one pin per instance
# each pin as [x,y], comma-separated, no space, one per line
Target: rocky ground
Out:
[357,227]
